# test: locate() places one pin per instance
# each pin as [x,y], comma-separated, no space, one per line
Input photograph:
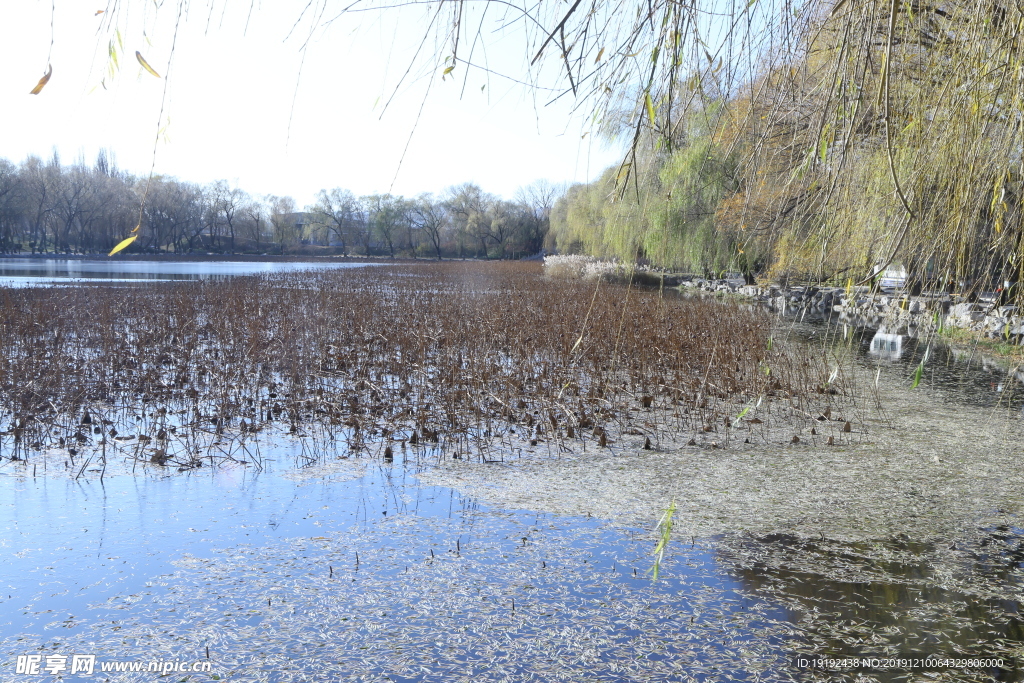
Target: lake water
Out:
[359,574]
[23,272]
[356,569]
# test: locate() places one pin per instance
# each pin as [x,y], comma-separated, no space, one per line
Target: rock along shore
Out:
[898,314]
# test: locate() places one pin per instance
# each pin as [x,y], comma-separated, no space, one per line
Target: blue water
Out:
[83,557]
[23,272]
[68,544]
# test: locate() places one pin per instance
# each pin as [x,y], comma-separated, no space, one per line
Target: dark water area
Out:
[851,604]
[963,374]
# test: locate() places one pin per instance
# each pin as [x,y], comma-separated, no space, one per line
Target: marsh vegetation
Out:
[454,360]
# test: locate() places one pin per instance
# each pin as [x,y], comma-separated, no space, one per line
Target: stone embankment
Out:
[858,306]
[898,314]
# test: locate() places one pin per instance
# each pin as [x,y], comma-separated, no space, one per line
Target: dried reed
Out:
[454,359]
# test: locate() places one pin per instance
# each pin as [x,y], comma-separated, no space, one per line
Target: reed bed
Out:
[450,360]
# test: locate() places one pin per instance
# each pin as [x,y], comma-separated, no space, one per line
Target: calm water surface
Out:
[22,272]
[358,573]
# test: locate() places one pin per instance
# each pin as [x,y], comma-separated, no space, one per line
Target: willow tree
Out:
[893,134]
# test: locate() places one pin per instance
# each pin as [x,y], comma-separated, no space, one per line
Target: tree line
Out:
[51,207]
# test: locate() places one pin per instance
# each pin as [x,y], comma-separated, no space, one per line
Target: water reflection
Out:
[22,272]
[886,346]
[962,374]
[896,597]
[365,573]
[267,563]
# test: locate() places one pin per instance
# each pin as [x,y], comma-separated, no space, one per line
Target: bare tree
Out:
[340,212]
[467,205]
[11,199]
[387,215]
[256,211]
[431,219]
[226,205]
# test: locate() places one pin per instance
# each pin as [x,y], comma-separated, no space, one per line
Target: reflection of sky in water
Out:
[261,567]
[68,544]
[92,566]
[28,272]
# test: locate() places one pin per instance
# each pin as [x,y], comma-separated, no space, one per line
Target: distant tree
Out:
[176,214]
[340,212]
[281,211]
[468,206]
[45,205]
[431,218]
[504,224]
[227,205]
[38,180]
[540,196]
[256,212]
[11,209]
[388,215]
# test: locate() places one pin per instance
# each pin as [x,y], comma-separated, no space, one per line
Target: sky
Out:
[244,104]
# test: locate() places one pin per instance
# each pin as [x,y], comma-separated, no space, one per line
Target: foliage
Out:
[666,216]
[855,135]
[50,207]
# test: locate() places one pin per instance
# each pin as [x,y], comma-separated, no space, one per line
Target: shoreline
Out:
[985,323]
[211,258]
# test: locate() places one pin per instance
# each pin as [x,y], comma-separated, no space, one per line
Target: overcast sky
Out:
[232,90]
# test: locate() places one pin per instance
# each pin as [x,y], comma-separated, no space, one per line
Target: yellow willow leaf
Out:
[600,53]
[145,64]
[122,244]
[99,12]
[997,192]
[448,70]
[650,106]
[136,228]
[42,81]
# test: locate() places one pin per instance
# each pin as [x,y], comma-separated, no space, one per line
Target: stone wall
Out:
[910,315]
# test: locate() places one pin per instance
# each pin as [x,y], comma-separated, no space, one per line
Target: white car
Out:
[893,277]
